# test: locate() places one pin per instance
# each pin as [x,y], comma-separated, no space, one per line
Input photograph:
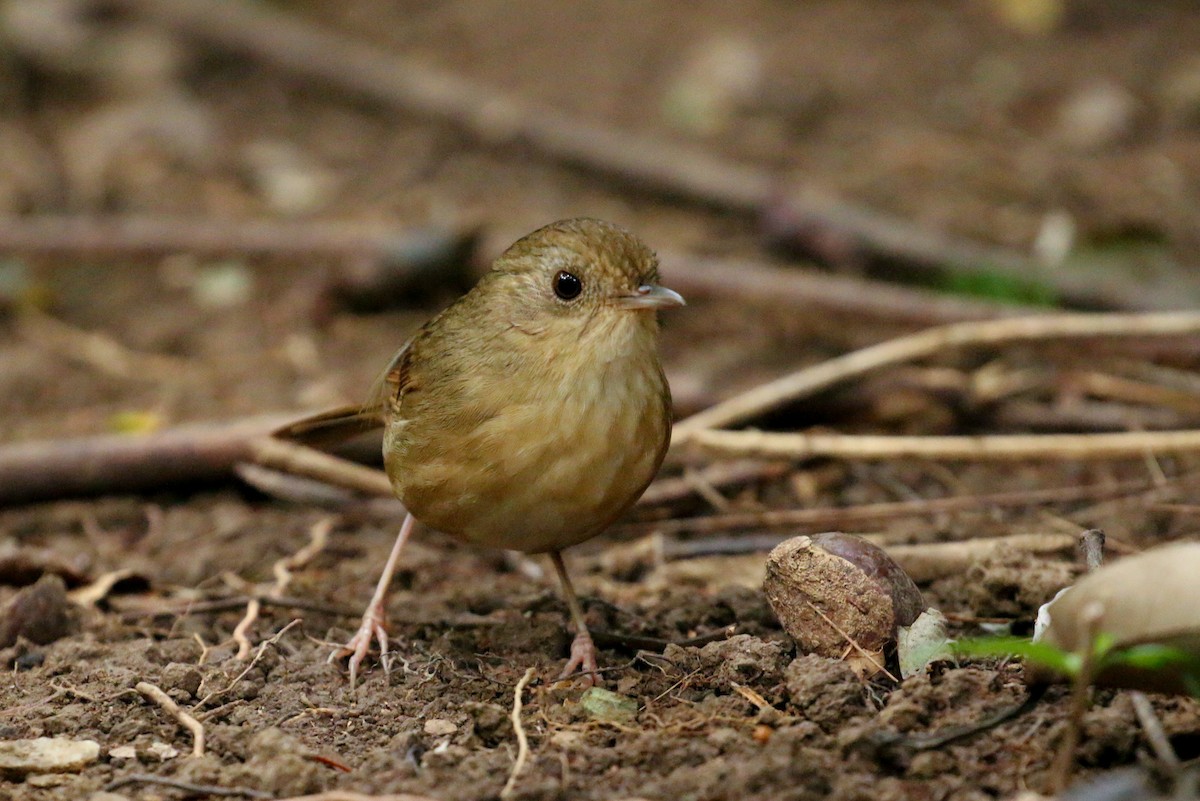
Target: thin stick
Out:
[522,740]
[258,655]
[239,632]
[1155,735]
[805,382]
[187,787]
[318,536]
[159,697]
[875,512]
[311,463]
[996,447]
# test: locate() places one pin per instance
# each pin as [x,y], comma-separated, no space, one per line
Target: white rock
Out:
[46,755]
[439,727]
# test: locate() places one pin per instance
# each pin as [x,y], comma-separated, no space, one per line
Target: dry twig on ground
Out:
[805,382]
[519,728]
[169,706]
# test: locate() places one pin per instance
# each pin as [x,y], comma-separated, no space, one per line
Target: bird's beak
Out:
[651,296]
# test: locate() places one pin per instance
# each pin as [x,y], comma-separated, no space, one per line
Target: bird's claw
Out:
[583,659]
[372,627]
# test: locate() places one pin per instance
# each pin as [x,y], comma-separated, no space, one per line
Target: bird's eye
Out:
[567,285]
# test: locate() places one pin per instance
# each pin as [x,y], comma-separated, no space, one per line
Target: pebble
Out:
[46,755]
[439,727]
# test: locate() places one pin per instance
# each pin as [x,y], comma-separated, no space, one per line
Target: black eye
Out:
[567,285]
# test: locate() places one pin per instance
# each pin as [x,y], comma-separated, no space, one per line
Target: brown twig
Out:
[188,787]
[188,455]
[841,517]
[258,655]
[311,463]
[805,382]
[169,706]
[1155,735]
[996,447]
[318,537]
[522,740]
[239,632]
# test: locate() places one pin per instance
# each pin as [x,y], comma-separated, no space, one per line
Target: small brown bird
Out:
[532,412]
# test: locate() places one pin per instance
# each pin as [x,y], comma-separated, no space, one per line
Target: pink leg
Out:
[583,650]
[373,617]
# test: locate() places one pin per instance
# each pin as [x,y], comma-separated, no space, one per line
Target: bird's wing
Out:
[332,427]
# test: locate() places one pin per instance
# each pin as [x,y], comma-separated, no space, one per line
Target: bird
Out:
[529,414]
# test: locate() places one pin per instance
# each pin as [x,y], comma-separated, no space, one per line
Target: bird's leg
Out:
[373,617]
[583,650]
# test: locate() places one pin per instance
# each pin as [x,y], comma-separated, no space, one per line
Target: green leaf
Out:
[1038,652]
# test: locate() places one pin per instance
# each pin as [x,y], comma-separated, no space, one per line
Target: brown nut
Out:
[829,588]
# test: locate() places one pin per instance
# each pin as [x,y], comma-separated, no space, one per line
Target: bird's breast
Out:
[554,464]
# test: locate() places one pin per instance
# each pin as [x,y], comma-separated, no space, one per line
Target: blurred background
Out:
[215,209]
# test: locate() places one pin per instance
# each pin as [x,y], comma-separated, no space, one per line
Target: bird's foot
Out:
[372,627]
[583,659]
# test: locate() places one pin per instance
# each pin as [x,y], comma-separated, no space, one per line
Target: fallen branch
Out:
[1054,447]
[169,706]
[805,382]
[190,454]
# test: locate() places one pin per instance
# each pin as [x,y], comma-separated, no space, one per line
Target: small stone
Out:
[37,613]
[122,753]
[181,676]
[605,705]
[46,755]
[439,727]
[162,751]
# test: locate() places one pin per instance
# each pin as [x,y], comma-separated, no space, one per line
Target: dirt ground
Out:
[962,119]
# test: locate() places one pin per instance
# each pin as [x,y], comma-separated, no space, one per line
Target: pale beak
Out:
[651,296]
